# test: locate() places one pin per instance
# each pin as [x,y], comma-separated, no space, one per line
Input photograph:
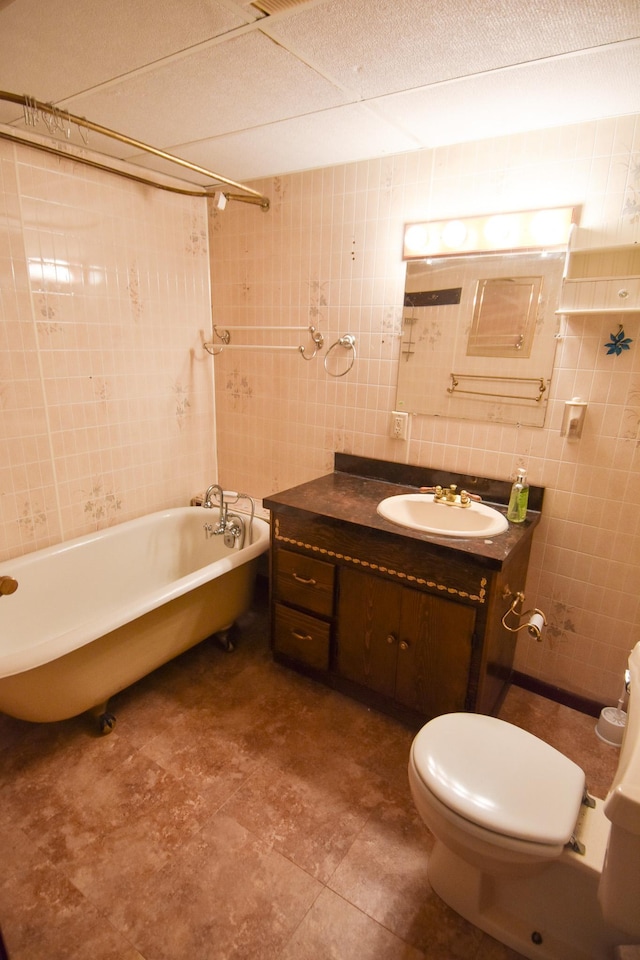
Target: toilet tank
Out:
[619,888]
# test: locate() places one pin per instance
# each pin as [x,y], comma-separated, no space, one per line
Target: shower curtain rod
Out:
[31,105]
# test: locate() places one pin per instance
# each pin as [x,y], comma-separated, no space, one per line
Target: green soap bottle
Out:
[517,510]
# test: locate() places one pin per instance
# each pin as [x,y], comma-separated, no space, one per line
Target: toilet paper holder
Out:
[535,621]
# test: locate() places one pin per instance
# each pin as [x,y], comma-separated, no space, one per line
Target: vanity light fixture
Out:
[525,230]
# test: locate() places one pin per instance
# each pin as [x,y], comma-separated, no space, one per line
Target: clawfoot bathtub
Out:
[91,616]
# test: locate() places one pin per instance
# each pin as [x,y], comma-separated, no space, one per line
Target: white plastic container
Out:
[610,725]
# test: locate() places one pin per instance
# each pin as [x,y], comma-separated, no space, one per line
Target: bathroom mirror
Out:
[479,336]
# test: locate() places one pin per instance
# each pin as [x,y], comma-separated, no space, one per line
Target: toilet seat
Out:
[499,777]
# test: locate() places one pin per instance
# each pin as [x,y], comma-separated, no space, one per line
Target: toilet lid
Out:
[500,777]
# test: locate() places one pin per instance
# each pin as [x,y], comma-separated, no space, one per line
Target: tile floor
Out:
[237,811]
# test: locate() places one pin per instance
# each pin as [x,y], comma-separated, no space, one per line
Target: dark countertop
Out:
[349,497]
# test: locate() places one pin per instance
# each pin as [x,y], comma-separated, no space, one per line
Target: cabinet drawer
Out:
[304,581]
[301,637]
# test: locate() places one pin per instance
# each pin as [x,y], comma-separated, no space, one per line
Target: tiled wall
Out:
[328,255]
[106,395]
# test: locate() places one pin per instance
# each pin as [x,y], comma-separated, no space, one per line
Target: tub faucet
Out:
[208,503]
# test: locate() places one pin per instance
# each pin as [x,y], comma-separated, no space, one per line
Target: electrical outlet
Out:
[399,425]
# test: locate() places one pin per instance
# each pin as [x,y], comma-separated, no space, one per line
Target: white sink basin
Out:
[417,511]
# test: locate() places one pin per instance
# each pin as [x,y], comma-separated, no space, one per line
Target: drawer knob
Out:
[308,581]
[623,294]
[404,645]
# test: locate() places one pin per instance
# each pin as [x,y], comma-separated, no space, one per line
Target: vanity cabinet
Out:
[409,624]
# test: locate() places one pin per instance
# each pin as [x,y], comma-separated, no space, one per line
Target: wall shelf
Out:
[602,272]
[597,311]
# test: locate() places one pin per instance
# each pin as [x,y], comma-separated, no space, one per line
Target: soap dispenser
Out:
[573,419]
[517,509]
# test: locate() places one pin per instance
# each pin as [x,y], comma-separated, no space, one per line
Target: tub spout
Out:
[214,488]
[7,585]
[217,491]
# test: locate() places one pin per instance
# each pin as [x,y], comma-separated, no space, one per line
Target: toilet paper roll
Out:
[535,625]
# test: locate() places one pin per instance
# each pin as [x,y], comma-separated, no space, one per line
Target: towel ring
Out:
[318,341]
[348,341]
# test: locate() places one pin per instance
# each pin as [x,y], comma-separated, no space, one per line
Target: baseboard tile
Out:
[574,700]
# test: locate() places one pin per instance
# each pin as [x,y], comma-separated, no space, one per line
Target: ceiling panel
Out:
[341,135]
[391,45]
[243,82]
[52,49]
[602,83]
[319,83]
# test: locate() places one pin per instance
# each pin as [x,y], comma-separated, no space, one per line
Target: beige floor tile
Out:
[226,894]
[44,916]
[336,930]
[310,807]
[384,873]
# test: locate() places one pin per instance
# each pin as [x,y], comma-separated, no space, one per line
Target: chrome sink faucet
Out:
[209,504]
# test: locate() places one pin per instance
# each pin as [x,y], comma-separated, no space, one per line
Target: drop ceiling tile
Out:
[579,87]
[229,86]
[56,48]
[377,48]
[342,135]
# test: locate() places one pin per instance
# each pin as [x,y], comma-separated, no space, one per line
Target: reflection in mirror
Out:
[479,336]
[504,316]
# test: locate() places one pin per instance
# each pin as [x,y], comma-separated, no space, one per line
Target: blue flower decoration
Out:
[617,343]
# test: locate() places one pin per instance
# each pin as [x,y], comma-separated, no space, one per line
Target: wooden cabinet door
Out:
[368,621]
[434,653]
[410,646]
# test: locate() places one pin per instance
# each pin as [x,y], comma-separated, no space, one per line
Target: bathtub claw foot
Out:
[224,638]
[106,722]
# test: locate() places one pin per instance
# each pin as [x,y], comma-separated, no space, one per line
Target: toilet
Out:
[521,850]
